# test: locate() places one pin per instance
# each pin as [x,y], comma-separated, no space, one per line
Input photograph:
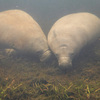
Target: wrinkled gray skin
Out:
[70,34]
[19,31]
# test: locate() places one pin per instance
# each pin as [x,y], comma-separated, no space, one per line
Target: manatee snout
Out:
[65,62]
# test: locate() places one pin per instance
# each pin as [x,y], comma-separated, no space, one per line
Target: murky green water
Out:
[23,78]
[46,12]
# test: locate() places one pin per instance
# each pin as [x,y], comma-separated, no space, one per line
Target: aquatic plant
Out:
[25,79]
[12,86]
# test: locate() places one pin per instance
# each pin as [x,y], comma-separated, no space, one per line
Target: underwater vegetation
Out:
[23,78]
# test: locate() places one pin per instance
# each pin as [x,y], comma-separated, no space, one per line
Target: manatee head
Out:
[65,62]
[45,55]
[64,55]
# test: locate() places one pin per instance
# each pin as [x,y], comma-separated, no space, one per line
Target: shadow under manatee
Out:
[30,57]
[87,55]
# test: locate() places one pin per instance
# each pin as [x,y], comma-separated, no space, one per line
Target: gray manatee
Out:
[19,31]
[70,34]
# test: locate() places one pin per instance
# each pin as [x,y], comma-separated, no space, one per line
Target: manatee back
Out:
[74,29]
[20,31]
[17,22]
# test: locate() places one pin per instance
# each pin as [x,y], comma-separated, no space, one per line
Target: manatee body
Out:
[70,34]
[19,31]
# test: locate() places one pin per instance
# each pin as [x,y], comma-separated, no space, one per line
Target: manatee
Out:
[70,34]
[19,31]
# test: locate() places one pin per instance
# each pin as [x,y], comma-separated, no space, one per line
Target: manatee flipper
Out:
[10,51]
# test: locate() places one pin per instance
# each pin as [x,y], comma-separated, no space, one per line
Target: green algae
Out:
[25,79]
